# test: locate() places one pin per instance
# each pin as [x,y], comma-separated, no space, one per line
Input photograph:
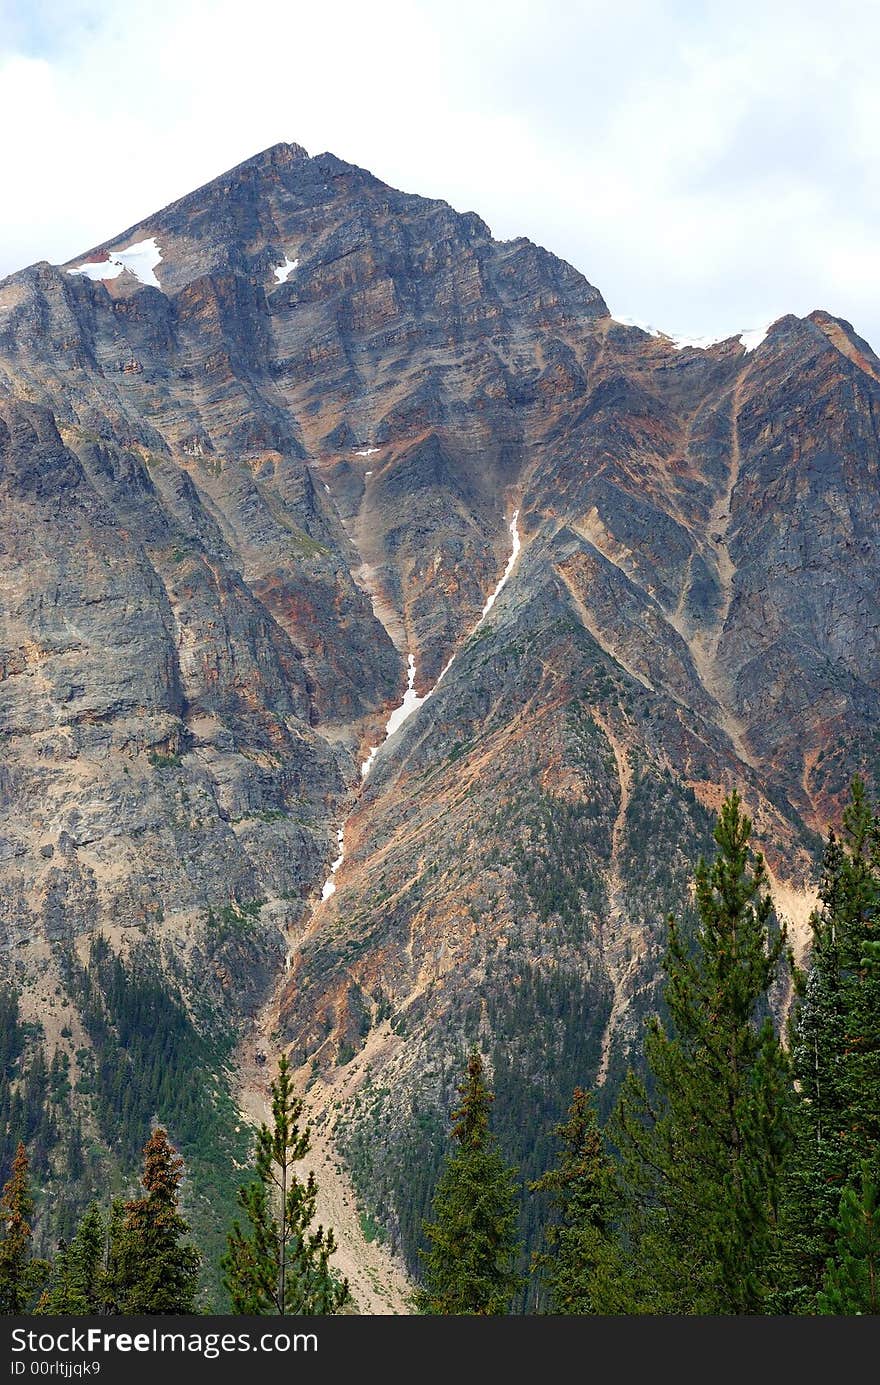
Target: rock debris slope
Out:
[259,482]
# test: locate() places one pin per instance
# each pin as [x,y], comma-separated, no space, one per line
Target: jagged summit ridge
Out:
[253,213]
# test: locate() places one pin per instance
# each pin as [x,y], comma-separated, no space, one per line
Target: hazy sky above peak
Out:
[707,166]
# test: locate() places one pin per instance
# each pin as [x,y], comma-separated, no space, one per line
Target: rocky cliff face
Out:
[242,485]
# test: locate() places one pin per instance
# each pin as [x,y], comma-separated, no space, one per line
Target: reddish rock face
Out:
[234,504]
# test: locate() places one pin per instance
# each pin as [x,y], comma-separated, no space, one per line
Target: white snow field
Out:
[411,702]
[284,271]
[139,259]
[330,883]
[749,337]
[514,554]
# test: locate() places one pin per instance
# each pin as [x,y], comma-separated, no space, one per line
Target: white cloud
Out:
[706,167]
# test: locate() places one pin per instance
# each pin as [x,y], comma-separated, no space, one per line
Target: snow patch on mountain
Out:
[411,703]
[681,342]
[514,554]
[283,271]
[330,884]
[749,338]
[753,338]
[636,322]
[140,259]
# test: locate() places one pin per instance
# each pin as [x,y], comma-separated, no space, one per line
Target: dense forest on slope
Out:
[85,1124]
[737,1173]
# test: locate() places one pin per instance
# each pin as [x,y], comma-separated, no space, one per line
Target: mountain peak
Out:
[279,155]
[212,200]
[282,210]
[847,341]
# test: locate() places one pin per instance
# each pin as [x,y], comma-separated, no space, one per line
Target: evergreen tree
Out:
[11,1036]
[75,1162]
[152,1268]
[704,1145]
[77,1281]
[115,1252]
[582,1265]
[836,1058]
[852,1279]
[20,1274]
[279,1265]
[470,1265]
[871,958]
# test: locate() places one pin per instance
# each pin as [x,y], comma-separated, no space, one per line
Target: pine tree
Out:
[852,1278]
[153,1269]
[836,1058]
[704,1145]
[470,1265]
[20,1274]
[582,1265]
[77,1281]
[279,1265]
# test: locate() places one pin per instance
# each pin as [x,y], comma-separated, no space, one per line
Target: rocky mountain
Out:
[264,458]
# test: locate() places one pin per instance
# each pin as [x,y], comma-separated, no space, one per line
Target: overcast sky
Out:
[707,165]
